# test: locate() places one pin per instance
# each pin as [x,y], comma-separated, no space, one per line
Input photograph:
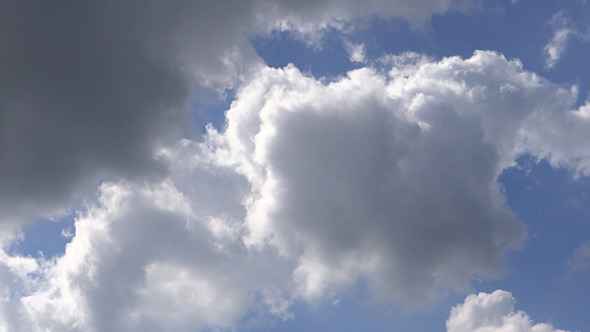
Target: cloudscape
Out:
[270,165]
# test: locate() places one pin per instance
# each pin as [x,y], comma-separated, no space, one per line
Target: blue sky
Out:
[389,166]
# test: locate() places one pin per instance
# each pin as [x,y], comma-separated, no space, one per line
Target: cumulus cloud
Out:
[151,257]
[386,175]
[492,312]
[404,166]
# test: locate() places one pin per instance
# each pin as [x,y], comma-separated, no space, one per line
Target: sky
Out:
[275,165]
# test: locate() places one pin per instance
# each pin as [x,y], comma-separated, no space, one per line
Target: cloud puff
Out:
[385,175]
[492,312]
[356,52]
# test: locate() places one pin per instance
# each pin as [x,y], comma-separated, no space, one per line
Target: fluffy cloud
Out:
[151,257]
[386,175]
[492,313]
[393,177]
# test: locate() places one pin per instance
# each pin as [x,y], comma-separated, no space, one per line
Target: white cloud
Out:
[356,52]
[562,33]
[385,176]
[149,257]
[394,178]
[492,312]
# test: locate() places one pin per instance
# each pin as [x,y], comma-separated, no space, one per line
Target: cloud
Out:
[492,312]
[393,177]
[385,175]
[367,215]
[151,257]
[308,17]
[90,90]
[563,32]
[580,260]
[356,52]
[561,35]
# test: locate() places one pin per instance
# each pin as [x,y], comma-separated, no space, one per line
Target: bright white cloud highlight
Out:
[492,312]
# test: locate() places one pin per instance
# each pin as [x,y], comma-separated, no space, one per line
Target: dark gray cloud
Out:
[80,98]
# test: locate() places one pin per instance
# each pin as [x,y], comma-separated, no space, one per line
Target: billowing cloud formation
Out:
[155,257]
[362,174]
[389,176]
[492,313]
[394,176]
[89,90]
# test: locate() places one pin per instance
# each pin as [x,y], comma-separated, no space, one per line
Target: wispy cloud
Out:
[580,260]
[563,32]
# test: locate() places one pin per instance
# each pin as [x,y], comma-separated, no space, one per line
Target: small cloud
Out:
[67,233]
[356,52]
[563,32]
[555,48]
[492,312]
